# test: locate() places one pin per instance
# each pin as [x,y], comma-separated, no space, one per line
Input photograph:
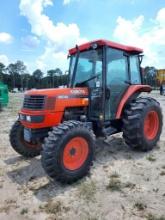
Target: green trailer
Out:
[4,95]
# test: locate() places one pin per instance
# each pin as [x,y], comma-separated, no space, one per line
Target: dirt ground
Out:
[122,184]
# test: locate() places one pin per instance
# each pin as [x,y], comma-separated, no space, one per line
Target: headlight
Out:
[22,117]
[28,118]
[32,118]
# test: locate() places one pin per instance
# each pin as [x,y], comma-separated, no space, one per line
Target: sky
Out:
[40,32]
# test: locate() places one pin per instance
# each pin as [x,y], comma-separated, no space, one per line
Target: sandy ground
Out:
[122,184]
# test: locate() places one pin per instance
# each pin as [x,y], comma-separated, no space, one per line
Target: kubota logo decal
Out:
[77,92]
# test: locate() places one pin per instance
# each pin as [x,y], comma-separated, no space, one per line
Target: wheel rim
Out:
[75,153]
[151,125]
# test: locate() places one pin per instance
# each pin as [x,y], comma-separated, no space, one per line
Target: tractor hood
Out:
[45,108]
[70,92]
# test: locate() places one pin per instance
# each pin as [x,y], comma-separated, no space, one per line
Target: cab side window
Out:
[135,70]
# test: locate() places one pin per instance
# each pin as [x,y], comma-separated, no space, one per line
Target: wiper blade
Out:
[85,81]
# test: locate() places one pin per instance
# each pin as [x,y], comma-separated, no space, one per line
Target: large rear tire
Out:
[142,123]
[68,151]
[18,143]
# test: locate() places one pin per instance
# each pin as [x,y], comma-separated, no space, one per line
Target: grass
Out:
[87,190]
[92,218]
[10,201]
[130,185]
[4,209]
[151,158]
[155,190]
[24,211]
[1,172]
[129,156]
[115,175]
[114,183]
[140,206]
[162,173]
[53,207]
[91,215]
[8,205]
[34,211]
[153,217]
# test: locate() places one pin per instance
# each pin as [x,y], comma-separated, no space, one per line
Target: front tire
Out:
[18,143]
[68,151]
[142,123]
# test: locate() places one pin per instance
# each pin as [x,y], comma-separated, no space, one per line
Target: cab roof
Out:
[111,44]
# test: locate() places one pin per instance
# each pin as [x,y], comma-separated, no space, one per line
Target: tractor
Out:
[103,97]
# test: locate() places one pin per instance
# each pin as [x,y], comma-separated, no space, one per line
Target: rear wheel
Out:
[68,151]
[142,123]
[18,143]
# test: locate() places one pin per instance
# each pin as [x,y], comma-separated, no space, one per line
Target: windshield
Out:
[89,67]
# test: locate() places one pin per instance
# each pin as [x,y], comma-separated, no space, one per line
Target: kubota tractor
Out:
[102,98]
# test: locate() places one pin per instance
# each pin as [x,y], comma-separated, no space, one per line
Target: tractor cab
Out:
[108,69]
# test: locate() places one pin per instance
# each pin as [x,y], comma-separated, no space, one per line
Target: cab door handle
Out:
[107,93]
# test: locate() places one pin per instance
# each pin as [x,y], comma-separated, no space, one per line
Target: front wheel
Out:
[68,151]
[18,143]
[142,123]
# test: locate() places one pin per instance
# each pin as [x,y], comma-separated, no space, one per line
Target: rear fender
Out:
[132,90]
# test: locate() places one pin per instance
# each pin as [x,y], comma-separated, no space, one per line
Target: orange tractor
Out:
[102,98]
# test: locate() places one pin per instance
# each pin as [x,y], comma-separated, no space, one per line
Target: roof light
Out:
[94,45]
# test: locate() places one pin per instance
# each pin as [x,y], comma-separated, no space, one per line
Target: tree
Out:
[2,71]
[51,74]
[22,70]
[55,76]
[17,71]
[12,71]
[150,75]
[37,75]
[26,79]
[17,76]
[58,76]
[58,71]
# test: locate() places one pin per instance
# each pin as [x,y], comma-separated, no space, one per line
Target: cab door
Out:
[117,78]
[89,73]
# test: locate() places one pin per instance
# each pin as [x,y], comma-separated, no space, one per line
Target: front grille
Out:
[34,102]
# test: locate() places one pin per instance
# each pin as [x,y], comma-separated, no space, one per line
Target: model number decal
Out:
[63,97]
